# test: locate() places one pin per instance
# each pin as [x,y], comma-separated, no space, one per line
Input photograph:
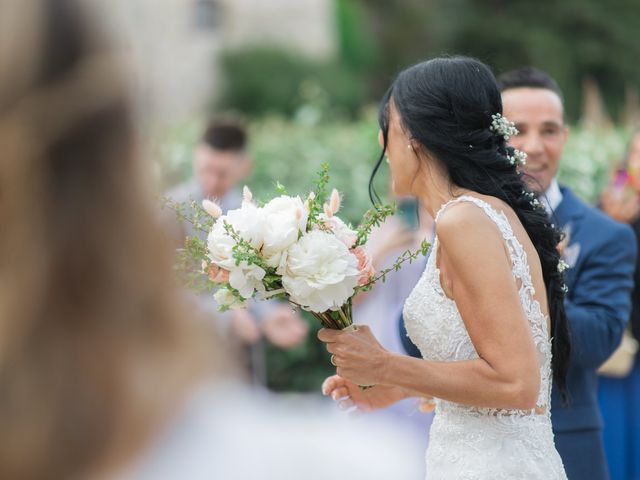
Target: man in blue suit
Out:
[601,256]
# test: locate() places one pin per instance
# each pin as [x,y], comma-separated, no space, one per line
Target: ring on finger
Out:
[333,360]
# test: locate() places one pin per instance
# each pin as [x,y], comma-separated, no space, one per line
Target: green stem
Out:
[345,321]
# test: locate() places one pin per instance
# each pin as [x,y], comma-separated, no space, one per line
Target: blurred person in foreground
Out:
[103,373]
[619,393]
[600,255]
[220,163]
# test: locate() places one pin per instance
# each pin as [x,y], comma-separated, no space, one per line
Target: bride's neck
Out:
[436,190]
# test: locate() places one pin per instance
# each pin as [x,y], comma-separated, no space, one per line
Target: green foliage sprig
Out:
[373,218]
[406,256]
[316,199]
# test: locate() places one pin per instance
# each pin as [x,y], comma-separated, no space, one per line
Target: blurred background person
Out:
[220,163]
[619,393]
[103,371]
[600,255]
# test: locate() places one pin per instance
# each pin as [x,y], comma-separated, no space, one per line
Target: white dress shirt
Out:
[552,197]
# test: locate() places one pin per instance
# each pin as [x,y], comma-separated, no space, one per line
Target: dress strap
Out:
[491,212]
[515,247]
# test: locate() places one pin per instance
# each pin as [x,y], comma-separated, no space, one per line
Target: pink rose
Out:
[365,265]
[217,274]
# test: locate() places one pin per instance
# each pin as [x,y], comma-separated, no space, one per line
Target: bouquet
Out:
[296,250]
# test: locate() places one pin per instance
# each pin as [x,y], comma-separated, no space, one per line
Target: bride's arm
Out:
[474,260]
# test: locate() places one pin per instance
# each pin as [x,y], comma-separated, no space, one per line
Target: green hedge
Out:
[268,80]
[291,152]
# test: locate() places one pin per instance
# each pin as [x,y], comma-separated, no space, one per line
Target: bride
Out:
[487,313]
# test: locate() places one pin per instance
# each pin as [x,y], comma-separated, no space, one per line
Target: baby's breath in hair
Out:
[518,158]
[533,200]
[503,127]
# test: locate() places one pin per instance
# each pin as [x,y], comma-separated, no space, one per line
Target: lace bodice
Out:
[436,327]
[482,443]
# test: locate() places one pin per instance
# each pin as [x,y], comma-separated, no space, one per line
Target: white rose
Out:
[321,273]
[246,278]
[246,221]
[219,246]
[284,218]
[225,298]
[346,235]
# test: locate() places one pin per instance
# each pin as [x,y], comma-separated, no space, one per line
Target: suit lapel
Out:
[570,210]
[568,216]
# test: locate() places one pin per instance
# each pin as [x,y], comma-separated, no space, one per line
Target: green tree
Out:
[570,39]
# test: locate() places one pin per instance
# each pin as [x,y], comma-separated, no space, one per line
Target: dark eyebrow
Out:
[552,123]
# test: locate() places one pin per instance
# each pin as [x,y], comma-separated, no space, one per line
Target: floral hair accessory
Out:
[503,127]
[535,203]
[562,266]
[518,158]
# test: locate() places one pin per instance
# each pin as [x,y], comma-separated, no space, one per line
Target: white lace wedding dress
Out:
[468,443]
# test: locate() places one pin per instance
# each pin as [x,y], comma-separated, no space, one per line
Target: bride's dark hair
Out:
[446,104]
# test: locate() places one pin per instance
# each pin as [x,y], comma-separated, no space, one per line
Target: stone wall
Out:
[172,44]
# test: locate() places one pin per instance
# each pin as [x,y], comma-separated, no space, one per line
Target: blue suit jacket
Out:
[602,254]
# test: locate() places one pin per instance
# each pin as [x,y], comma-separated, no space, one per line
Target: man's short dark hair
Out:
[528,77]
[225,135]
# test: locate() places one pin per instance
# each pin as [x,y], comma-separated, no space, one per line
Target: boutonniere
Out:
[571,254]
[568,252]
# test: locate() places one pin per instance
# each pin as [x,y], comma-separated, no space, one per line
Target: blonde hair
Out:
[95,344]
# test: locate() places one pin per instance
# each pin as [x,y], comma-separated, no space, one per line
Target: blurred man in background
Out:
[600,254]
[220,163]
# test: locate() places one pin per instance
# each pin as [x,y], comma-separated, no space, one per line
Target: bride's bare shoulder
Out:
[466,232]
[463,216]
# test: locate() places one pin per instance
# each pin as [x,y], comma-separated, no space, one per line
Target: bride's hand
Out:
[357,355]
[348,394]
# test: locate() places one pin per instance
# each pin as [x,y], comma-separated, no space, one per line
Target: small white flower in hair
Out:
[562,266]
[535,203]
[518,158]
[503,127]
